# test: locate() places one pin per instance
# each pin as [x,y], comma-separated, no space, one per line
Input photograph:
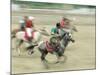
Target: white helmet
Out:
[31,18]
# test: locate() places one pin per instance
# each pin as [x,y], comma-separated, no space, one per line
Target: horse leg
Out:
[30,49]
[44,53]
[72,40]
[59,59]
[18,46]
[59,55]
[44,60]
[64,58]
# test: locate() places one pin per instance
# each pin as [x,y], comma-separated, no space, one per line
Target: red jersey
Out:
[29,24]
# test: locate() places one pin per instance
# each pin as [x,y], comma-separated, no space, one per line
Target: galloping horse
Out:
[58,47]
[20,38]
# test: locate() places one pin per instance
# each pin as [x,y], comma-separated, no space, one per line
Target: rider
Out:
[57,30]
[66,25]
[28,27]
[65,22]
[22,23]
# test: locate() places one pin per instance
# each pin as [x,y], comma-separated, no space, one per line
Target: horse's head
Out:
[68,37]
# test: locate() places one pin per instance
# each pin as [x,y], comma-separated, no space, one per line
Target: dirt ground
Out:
[80,55]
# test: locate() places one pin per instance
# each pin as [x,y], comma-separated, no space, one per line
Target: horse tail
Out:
[74,29]
[13,36]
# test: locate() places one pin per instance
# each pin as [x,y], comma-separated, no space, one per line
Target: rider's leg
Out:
[29,33]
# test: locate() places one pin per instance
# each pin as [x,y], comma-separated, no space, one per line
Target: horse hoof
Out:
[57,62]
[64,60]
[73,41]
[47,67]
[30,53]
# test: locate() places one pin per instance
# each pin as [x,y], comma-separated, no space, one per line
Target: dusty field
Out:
[81,54]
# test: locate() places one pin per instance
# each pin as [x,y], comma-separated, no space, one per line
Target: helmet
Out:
[53,40]
[31,18]
[66,19]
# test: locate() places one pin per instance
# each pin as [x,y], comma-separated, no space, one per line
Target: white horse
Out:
[20,38]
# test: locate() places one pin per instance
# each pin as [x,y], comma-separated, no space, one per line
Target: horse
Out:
[20,39]
[58,48]
[19,35]
[42,30]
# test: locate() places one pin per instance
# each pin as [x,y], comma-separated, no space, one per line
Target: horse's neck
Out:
[64,42]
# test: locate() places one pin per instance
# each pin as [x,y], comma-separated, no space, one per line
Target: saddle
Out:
[27,37]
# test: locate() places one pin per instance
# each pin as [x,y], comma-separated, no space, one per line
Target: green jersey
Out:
[57,31]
